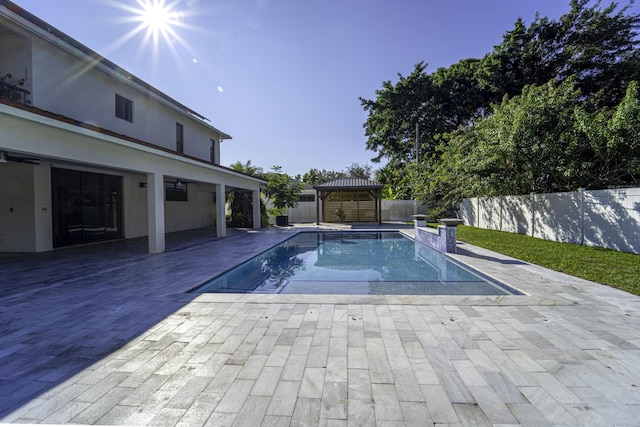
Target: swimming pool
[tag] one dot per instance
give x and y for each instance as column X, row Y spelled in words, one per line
column 378, row 263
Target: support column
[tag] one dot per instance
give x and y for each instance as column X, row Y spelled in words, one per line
column 43, row 209
column 256, row 209
column 155, row 212
column 221, row 218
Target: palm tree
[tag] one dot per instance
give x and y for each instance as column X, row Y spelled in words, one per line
column 247, row 168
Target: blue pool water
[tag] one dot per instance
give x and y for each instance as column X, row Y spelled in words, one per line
column 379, row 263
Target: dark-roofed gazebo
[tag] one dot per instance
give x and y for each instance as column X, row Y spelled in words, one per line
column 349, row 200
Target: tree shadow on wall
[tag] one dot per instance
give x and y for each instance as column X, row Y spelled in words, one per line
column 516, row 214
column 608, row 220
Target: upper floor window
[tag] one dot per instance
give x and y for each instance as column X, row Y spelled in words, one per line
column 179, row 138
column 212, row 150
column 124, row 108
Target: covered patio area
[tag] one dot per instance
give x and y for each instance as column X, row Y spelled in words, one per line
column 94, row 185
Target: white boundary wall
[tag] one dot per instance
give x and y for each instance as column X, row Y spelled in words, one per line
column 402, row 210
column 604, row 218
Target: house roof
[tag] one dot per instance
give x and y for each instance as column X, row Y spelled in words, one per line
column 349, row 184
column 96, row 58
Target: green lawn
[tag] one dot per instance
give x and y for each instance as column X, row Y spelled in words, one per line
column 618, row 269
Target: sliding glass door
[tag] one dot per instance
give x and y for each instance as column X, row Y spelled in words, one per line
column 87, row 207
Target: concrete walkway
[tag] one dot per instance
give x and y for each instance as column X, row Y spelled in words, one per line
column 106, row 334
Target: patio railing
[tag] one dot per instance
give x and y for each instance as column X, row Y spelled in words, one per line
column 14, row 93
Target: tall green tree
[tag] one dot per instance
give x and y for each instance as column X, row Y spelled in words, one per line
column 393, row 115
column 527, row 144
column 461, row 97
column 359, row 171
column 586, row 59
column 612, row 142
column 416, row 112
column 526, row 55
column 316, row 176
column 595, row 46
column 545, row 140
column 599, row 50
column 282, row 190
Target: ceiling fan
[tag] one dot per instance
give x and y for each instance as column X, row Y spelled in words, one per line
column 179, row 182
column 5, row 157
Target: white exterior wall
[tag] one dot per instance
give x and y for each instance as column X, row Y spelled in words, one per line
column 25, row 208
column 17, row 207
column 197, row 212
column 604, row 218
column 134, row 205
column 64, row 85
column 304, row 212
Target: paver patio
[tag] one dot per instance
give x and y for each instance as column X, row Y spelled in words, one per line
column 107, row 334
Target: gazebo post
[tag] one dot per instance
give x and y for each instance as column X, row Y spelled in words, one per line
column 379, row 207
column 317, row 207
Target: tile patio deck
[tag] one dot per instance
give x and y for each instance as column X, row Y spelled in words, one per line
column 106, row 334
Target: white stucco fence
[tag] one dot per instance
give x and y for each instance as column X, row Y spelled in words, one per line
column 604, row 218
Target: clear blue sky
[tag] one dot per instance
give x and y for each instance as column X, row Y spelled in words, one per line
column 283, row 77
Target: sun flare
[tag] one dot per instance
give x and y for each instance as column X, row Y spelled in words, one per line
column 156, row 16
column 157, row 27
column 156, row 20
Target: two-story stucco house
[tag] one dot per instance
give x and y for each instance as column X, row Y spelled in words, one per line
column 89, row 152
